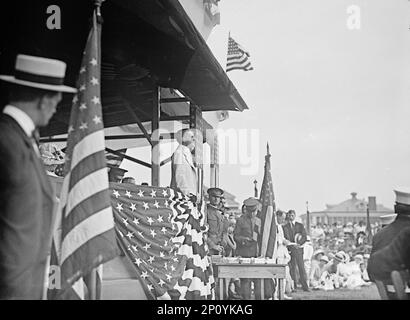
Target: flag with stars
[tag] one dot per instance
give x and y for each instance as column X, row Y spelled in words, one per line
column 85, row 236
column 162, row 233
column 238, row 57
column 268, row 229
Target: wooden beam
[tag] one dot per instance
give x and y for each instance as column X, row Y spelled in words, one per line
column 175, row 118
column 143, row 163
column 165, row 161
column 125, row 136
column 174, row 100
column 137, row 120
column 155, row 162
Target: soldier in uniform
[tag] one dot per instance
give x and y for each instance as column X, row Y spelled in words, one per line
column 246, row 237
column 215, row 220
column 386, row 235
column 395, row 256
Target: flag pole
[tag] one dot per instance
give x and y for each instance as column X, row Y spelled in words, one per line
column 307, row 218
column 255, row 182
column 93, row 275
column 368, row 225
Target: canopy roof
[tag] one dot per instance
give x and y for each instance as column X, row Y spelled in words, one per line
column 145, row 44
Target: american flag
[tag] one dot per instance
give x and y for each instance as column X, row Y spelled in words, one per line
column 238, row 57
column 267, row 216
column 85, row 237
column 162, row 233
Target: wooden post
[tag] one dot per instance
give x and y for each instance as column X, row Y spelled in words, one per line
column 92, row 285
column 196, row 122
column 214, row 161
column 155, row 161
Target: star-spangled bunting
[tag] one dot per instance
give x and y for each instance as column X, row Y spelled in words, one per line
column 86, row 238
column 164, row 242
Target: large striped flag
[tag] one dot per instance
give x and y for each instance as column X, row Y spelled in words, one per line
column 85, row 237
column 267, row 216
column 238, row 57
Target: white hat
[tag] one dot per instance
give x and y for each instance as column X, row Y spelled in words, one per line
column 403, row 197
column 387, row 218
column 41, row 73
column 324, row 258
column 359, row 257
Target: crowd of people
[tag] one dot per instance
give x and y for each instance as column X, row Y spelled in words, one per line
column 330, row 258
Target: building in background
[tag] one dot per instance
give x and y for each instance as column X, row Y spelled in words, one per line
column 351, row 210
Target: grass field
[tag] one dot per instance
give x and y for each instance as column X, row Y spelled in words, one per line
column 365, row 293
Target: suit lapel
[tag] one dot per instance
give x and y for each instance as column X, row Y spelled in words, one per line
column 188, row 158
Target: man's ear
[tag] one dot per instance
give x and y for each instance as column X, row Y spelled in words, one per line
column 43, row 101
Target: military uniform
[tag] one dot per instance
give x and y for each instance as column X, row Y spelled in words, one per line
column 246, row 235
column 244, row 230
column 385, row 237
column 215, row 221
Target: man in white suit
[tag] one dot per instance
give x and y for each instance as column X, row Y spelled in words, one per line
column 184, row 176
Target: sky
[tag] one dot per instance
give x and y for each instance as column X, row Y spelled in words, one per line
column 333, row 103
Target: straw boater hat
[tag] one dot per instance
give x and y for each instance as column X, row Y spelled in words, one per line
column 318, row 251
column 339, row 257
column 325, row 259
column 359, row 257
column 40, row 73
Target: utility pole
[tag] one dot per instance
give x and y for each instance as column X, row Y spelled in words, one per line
column 307, row 218
column 256, row 188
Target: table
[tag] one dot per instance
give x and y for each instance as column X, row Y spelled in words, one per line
column 253, row 271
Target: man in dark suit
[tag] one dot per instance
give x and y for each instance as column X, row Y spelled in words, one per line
column 26, row 195
column 386, row 235
column 295, row 233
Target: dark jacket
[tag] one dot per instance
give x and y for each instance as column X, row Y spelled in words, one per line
column 386, row 235
column 243, row 232
column 395, row 256
column 26, row 208
column 290, row 235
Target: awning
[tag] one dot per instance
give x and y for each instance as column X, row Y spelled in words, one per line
column 145, row 43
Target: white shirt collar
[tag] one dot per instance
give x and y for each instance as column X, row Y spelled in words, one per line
column 25, row 122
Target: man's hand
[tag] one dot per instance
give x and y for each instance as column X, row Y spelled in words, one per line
column 219, row 248
column 192, row 198
column 286, row 242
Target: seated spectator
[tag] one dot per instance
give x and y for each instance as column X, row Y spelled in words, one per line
column 229, row 241
column 355, row 279
column 361, row 238
column 360, row 227
column 315, row 280
column 314, row 267
column 307, row 254
column 332, row 271
column 317, row 232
